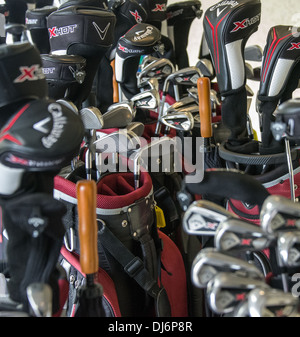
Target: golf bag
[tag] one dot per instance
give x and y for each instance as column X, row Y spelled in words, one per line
column 128, row 14
column 140, row 268
column 36, row 23
column 279, row 78
column 227, row 28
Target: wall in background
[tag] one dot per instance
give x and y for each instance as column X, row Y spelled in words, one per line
column 274, row 12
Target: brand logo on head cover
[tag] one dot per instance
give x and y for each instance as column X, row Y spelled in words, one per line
column 245, row 23
column 295, row 46
column 32, row 73
column 219, row 12
column 101, row 33
column 232, row 4
column 137, row 16
column 160, row 8
column 143, row 33
column 129, row 51
column 55, row 32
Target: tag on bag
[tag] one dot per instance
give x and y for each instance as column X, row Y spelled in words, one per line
column 160, row 217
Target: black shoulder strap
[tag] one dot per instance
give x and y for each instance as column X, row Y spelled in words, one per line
column 134, row 267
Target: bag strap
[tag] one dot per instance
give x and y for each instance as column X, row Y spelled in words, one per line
column 134, row 267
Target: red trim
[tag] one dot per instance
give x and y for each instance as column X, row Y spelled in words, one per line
column 215, row 41
column 4, row 134
column 269, row 61
column 109, row 291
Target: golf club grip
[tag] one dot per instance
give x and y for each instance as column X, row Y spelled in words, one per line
column 87, row 225
column 115, row 84
column 203, row 86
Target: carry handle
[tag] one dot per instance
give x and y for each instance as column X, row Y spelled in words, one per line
column 203, row 86
column 87, row 225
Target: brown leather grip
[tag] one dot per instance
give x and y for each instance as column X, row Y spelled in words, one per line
column 203, row 86
column 87, row 225
column 114, row 83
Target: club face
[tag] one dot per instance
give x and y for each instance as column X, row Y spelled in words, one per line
column 186, row 76
column 181, row 121
column 225, row 291
column 148, row 84
column 92, row 118
column 121, row 141
column 253, row 53
column 209, row 262
column 279, row 214
column 40, row 299
column 69, row 104
column 159, row 69
column 237, row 235
column 146, row 100
column 203, row 218
column 117, row 117
column 288, row 245
column 137, row 128
column 272, row 303
column 206, row 68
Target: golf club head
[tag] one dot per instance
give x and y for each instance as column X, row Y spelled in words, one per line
column 206, row 67
column 203, row 217
column 182, row 103
column 279, row 214
column 126, row 103
column 288, row 246
column 40, row 299
column 151, row 83
column 92, row 118
column 234, row 235
column 147, row 59
column 69, row 104
column 272, row 303
column 242, row 309
column 121, row 141
column 209, row 262
column 226, row 290
column 253, row 53
column 136, row 127
column 159, row 69
column 181, row 121
column 148, row 99
column 118, row 116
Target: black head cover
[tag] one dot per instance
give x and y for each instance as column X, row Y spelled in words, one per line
column 279, row 78
column 81, row 30
column 281, row 55
column 63, row 73
column 180, row 16
column 156, row 10
column 42, row 136
column 227, row 27
column 21, row 74
column 93, row 3
column 128, row 13
column 141, row 39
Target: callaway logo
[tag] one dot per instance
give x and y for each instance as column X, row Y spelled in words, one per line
column 136, row 15
column 232, row 4
column 220, row 11
column 197, row 222
column 295, row 46
column 58, row 123
column 130, row 51
column 101, row 33
column 32, row 73
column 39, row 126
column 55, row 32
column 143, row 33
column 245, row 23
column 160, row 8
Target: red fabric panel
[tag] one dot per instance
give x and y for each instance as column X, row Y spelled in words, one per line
column 109, row 290
column 175, row 284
